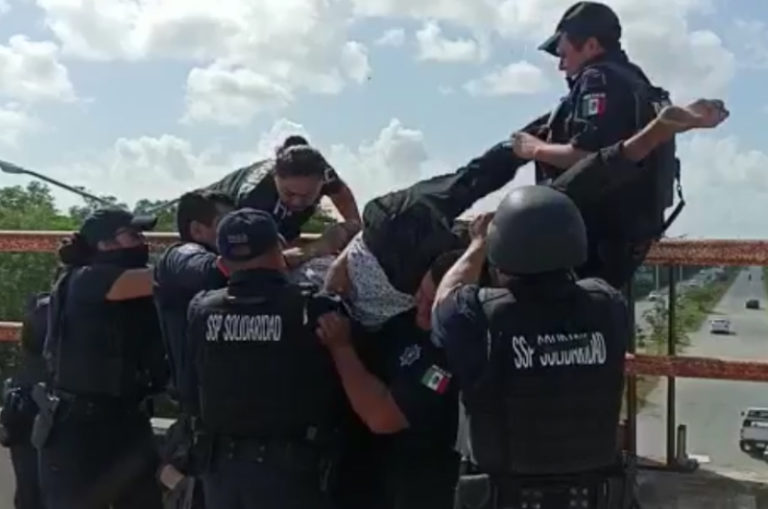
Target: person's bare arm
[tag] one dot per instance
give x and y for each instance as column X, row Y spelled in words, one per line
column 132, row 284
column 345, row 203
column 469, row 267
column 370, row 397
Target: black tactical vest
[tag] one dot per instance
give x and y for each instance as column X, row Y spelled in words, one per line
column 263, row 373
column 549, row 399
column 113, row 350
column 637, row 202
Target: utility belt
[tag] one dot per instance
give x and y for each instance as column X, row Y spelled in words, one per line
column 292, row 456
column 96, row 405
column 599, row 490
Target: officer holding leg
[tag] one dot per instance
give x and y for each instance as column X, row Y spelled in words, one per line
column 539, row 358
column 106, row 357
column 610, row 99
column 269, row 398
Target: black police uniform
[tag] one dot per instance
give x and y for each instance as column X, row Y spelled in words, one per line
column 540, row 365
column 19, row 409
column 611, row 99
column 182, row 271
column 269, row 396
column 254, row 186
column 420, row 466
column 107, row 357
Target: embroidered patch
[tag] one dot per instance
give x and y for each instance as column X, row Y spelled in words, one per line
column 410, row 355
column 593, row 105
column 436, row 379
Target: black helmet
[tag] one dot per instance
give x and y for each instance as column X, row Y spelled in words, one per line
column 536, row 229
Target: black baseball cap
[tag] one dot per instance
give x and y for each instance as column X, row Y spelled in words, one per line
column 585, row 19
column 103, row 224
column 245, row 234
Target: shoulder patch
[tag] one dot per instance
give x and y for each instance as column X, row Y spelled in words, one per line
column 436, row 379
column 593, row 78
column 593, row 105
column 410, row 355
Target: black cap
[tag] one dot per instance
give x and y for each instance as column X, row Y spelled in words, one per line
column 585, row 19
column 103, row 224
column 245, row 234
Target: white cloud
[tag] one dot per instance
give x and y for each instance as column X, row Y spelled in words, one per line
column 751, row 38
column 433, row 46
column 354, row 61
column 30, row 71
column 249, row 56
column 726, row 188
column 15, row 124
column 393, row 37
column 516, row 78
column 657, row 35
column 230, row 96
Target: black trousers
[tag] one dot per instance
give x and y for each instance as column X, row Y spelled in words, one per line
column 24, row 460
column 97, row 458
column 243, row 483
column 407, row 229
column 615, row 197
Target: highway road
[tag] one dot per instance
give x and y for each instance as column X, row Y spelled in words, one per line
column 710, row 408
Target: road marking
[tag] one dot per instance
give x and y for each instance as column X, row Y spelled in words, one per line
column 702, row 459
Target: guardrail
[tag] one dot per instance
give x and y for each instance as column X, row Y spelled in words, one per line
column 670, row 253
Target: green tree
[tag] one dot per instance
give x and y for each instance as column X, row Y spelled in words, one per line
column 23, row 274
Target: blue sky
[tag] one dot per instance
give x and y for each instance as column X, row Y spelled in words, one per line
column 141, row 98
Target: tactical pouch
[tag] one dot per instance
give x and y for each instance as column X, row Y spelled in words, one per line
column 16, row 416
column 475, row 492
column 45, row 419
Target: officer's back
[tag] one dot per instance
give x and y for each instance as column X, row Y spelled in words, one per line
column 540, row 358
column 268, row 393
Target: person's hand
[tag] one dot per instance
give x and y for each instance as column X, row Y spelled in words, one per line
column 333, row 331
column 525, row 145
column 478, row 228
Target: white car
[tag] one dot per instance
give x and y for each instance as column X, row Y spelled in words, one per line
column 654, row 296
column 754, row 430
column 720, row 326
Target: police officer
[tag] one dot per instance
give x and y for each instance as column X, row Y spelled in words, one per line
column 399, row 386
column 610, row 99
column 269, row 398
column 186, row 268
column 106, row 357
column 19, row 409
column 539, row 359
column 289, row 187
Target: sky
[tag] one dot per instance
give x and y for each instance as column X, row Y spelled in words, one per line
column 150, row 98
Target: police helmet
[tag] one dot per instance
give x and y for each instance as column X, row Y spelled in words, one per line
column 536, row 229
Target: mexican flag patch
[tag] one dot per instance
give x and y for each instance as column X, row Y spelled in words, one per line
column 593, row 105
column 436, row 379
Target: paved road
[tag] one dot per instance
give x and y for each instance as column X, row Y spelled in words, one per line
column 710, row 408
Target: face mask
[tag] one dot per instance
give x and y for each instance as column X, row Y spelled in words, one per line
column 130, row 258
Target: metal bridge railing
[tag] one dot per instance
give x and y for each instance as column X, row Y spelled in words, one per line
column 669, row 253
